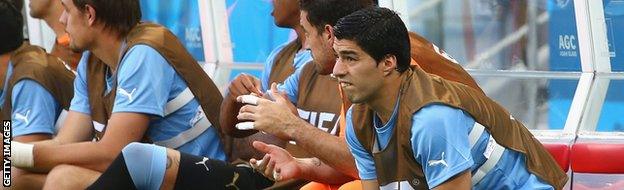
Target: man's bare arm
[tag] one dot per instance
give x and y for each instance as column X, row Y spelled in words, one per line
column 33, row 137
column 330, row 149
column 122, row 129
column 459, row 181
column 275, row 117
column 316, row 170
column 278, row 160
column 76, row 128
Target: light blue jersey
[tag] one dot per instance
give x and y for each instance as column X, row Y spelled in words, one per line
column 301, row 58
column 145, row 83
column 34, row 109
column 146, row 163
column 440, row 133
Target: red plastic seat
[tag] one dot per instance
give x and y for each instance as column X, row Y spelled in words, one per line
column 597, row 166
column 598, row 158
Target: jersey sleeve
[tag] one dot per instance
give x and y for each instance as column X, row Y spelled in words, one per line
column 291, row 85
column 363, row 160
column 268, row 66
column 80, row 101
column 440, row 142
column 34, row 109
column 144, row 80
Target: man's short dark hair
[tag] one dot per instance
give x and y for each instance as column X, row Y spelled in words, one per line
column 322, row 12
column 118, row 15
column 12, row 32
column 379, row 32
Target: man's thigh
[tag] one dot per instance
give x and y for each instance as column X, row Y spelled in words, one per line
column 70, row 177
column 22, row 179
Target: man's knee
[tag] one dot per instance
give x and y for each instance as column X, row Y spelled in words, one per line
column 146, row 164
column 16, row 173
column 22, row 179
column 70, row 177
column 135, row 147
column 61, row 174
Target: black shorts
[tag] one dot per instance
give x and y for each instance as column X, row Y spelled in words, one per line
column 195, row 172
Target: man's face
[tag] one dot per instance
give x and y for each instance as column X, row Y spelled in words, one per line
column 77, row 26
column 360, row 77
column 39, row 8
column 320, row 45
column 285, row 13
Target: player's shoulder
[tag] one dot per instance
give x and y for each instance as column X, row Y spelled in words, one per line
column 437, row 112
column 440, row 116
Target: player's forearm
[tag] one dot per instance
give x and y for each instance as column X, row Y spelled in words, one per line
column 90, row 155
column 33, row 138
column 228, row 120
column 332, row 150
column 48, row 142
column 315, row 170
column 459, row 181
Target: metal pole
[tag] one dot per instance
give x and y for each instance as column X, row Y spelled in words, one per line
column 531, row 60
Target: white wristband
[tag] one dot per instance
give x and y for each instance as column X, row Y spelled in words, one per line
column 248, row 99
column 22, row 154
column 245, row 125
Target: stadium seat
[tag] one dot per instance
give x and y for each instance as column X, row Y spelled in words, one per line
column 597, row 165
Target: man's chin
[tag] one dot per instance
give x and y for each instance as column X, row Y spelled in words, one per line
column 278, row 24
column 76, row 49
column 354, row 100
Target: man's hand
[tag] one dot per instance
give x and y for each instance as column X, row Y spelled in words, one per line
column 277, row 164
column 273, row 117
column 244, row 84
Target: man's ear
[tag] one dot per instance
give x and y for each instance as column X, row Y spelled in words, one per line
column 328, row 34
column 89, row 13
column 388, row 64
